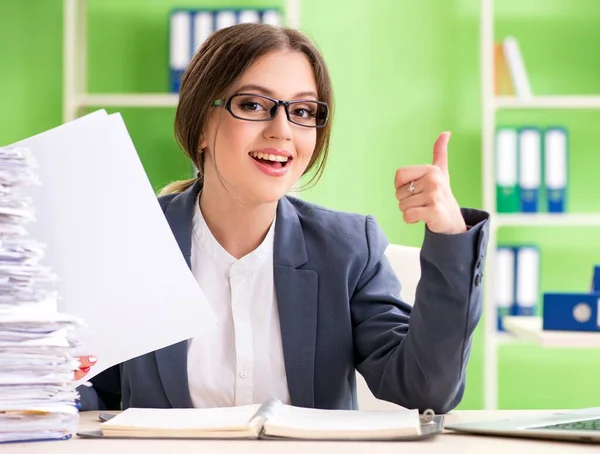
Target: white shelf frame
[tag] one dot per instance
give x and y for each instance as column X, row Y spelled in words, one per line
column 75, row 96
column 548, row 102
column 529, row 329
column 490, row 105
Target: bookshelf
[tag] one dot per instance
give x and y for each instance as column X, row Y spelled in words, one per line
column 518, row 328
column 75, row 96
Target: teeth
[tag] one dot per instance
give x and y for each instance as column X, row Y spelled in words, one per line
column 269, row 157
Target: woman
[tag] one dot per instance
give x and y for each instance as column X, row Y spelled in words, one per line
column 304, row 295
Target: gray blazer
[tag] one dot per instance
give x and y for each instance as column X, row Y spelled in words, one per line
column 339, row 312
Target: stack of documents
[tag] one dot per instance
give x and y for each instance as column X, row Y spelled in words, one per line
column 37, row 399
column 120, row 269
column 118, row 265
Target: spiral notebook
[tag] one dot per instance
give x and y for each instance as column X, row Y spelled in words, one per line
column 271, row 420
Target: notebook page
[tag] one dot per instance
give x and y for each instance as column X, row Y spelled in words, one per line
column 297, row 422
column 182, row 419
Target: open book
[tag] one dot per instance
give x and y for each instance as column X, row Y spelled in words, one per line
column 270, row 420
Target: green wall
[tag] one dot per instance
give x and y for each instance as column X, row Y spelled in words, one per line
column 403, row 71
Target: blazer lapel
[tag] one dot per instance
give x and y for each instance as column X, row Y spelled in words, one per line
column 172, row 360
column 297, row 291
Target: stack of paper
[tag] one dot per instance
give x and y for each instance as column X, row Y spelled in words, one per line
column 119, row 266
column 120, row 270
column 37, row 400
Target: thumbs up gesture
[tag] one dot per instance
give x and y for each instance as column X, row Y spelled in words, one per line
column 424, row 193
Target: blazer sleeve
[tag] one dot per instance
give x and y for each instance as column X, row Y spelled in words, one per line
column 417, row 357
column 103, row 392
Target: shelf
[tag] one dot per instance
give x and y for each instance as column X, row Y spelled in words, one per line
column 547, row 220
column 548, row 102
column 530, row 329
column 503, row 338
column 128, row 100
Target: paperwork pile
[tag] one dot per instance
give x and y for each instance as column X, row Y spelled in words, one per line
column 37, row 399
column 118, row 265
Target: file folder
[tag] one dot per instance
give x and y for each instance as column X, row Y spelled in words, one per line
column 596, row 280
column 249, row 16
column 555, row 168
column 180, row 46
column 571, row 312
column 271, row 17
column 224, row 19
column 505, row 283
column 517, row 69
column 507, row 187
column 202, row 28
column 530, row 160
column 527, row 277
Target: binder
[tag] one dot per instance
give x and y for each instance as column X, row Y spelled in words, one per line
column 202, row 28
column 271, row 17
column 507, row 187
column 502, row 82
column 505, row 283
column 596, row 280
column 571, row 312
column 248, row 16
column 180, row 46
column 517, row 69
column 555, row 168
column 527, row 280
column 225, row 18
column 530, row 160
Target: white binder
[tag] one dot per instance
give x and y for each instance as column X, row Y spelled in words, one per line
column 180, row 42
column 249, row 16
column 530, row 168
column 271, row 17
column 555, row 158
column 505, row 283
column 203, row 28
column 225, row 18
column 528, row 280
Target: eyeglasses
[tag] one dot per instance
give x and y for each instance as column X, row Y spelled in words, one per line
column 253, row 107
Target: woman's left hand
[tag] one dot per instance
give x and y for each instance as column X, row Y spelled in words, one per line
column 424, row 193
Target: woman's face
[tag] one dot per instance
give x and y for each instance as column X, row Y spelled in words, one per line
column 259, row 161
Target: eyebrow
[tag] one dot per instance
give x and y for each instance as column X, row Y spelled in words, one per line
column 266, row 91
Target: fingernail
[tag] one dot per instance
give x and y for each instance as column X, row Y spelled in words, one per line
column 85, row 370
column 92, row 359
column 448, row 133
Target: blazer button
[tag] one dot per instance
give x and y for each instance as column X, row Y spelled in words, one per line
column 477, row 279
column 478, row 265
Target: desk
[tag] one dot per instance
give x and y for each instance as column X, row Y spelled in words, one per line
column 447, row 443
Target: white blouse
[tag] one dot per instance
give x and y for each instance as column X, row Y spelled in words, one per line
column 241, row 362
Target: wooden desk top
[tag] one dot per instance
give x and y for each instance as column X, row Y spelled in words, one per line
column 447, row 443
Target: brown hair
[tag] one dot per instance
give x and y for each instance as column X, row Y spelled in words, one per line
column 219, row 63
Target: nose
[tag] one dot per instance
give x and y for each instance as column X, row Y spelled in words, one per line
column 279, row 127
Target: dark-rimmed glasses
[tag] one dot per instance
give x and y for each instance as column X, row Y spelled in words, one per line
column 253, row 107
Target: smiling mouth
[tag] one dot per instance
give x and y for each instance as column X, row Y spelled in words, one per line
column 272, row 160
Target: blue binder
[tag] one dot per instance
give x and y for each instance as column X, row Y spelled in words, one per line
column 505, row 283
column 596, row 280
column 530, row 167
column 571, row 312
column 555, row 168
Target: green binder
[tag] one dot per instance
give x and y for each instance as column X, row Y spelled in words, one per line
column 508, row 197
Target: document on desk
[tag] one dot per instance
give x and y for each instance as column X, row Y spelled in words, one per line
column 118, row 264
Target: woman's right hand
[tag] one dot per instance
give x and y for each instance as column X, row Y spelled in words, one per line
column 85, row 364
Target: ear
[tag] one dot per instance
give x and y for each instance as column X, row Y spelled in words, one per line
column 203, row 142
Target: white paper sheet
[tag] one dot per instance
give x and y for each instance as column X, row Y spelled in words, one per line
column 118, row 265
